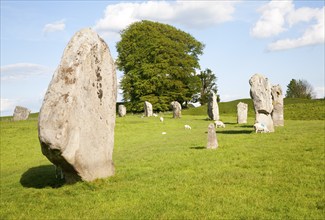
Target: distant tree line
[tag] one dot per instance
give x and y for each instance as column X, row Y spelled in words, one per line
column 300, row 89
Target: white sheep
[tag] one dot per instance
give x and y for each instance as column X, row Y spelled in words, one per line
column 187, row 127
column 161, row 119
column 219, row 124
column 154, row 115
column 260, row 127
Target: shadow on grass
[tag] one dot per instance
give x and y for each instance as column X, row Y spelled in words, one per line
column 246, row 126
column 198, row 148
column 234, row 132
column 41, row 177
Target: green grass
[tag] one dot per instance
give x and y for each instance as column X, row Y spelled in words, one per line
column 280, row 175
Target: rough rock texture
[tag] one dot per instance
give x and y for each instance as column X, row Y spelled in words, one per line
column 261, row 94
column 121, row 110
column 277, row 114
column 242, row 109
column 77, row 118
column 20, row 113
column 212, row 137
column 147, row 109
column 213, row 108
column 177, row 109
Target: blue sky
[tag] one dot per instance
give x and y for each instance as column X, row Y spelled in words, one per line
column 282, row 40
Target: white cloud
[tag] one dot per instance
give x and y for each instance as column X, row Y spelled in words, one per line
column 23, row 70
column 281, row 16
column 193, row 14
column 320, row 92
column 55, row 26
column 7, row 105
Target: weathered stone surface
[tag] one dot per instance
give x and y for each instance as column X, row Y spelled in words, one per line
column 212, row 137
column 213, row 108
column 277, row 114
column 147, row 109
column 261, row 94
column 177, row 109
column 77, row 118
column 20, row 113
column 242, row 109
column 121, row 110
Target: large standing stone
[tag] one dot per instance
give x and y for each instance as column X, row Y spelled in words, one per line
column 261, row 94
column 121, row 110
column 177, row 109
column 277, row 114
column 213, row 108
column 147, row 109
column 20, row 113
column 242, row 109
column 212, row 137
column 77, row 118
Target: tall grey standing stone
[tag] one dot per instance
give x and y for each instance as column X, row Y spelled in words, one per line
column 20, row 113
column 177, row 109
column 212, row 137
column 213, row 108
column 242, row 109
column 147, row 109
column 277, row 114
column 121, row 110
column 77, row 117
column 260, row 92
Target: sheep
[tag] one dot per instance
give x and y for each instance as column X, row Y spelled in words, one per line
column 154, row 115
column 161, row 119
column 164, row 133
column 260, row 127
column 187, row 127
column 219, row 124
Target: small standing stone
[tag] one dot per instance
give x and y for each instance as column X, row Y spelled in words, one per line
column 177, row 109
column 147, row 109
column 242, row 109
column 121, row 110
column 21, row 113
column 213, row 108
column 277, row 114
column 212, row 137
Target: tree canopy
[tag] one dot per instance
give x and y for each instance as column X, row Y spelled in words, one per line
column 208, row 84
column 159, row 64
column 299, row 89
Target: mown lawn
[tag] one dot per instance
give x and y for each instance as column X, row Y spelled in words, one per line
column 279, row 175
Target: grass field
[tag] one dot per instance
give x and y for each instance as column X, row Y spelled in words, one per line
column 279, row 175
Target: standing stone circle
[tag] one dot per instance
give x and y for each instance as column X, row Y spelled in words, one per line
column 277, row 97
column 147, row 109
column 260, row 92
column 242, row 109
column 77, row 117
column 177, row 109
column 20, row 113
column 121, row 110
column 212, row 137
column 213, row 108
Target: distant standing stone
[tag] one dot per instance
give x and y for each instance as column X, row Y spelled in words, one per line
column 77, row 118
column 177, row 109
column 121, row 110
column 261, row 94
column 21, row 113
column 212, row 137
column 277, row 114
column 242, row 109
column 147, row 109
column 213, row 108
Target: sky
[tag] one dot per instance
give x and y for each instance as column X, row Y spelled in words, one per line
column 281, row 40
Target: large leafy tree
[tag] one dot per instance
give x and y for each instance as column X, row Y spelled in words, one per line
column 159, row 63
column 299, row 89
column 208, row 84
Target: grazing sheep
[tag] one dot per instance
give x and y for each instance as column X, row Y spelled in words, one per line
column 187, row 127
column 161, row 119
column 259, row 127
column 154, row 115
column 219, row 124
column 164, row 132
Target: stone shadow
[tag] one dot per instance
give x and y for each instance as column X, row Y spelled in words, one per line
column 198, row 148
column 234, row 132
column 41, row 177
